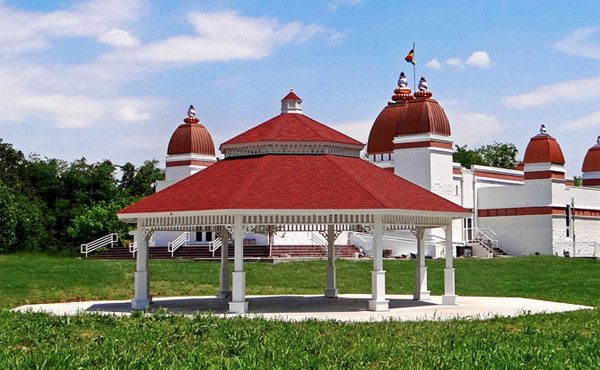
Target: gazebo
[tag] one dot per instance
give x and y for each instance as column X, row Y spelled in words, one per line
column 292, row 173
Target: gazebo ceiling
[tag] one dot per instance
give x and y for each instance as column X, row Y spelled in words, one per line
column 293, row 182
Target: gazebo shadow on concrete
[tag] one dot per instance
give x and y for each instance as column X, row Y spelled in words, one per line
column 282, row 304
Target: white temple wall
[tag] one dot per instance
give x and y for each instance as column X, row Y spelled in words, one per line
column 413, row 165
column 522, row 235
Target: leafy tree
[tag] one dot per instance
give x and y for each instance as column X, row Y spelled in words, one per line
column 99, row 220
column 8, row 220
column 141, row 184
column 577, row 181
column 502, row 155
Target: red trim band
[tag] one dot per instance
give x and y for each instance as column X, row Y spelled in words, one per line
column 424, row 144
column 500, row 176
column 189, row 163
column 534, row 211
column 544, row 175
column 591, row 182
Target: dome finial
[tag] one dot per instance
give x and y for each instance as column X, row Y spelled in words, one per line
column 191, row 111
column 543, row 130
column 402, row 81
column 423, row 84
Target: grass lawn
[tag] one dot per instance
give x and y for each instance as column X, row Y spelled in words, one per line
column 557, row 341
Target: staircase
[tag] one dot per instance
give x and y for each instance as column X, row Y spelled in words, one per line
column 250, row 251
column 484, row 237
column 341, row 251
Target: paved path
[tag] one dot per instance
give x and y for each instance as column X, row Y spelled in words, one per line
column 347, row 307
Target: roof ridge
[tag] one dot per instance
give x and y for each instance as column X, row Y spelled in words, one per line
column 354, row 178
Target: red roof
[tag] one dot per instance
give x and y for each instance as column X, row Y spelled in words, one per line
column 292, row 127
column 293, row 182
column 543, row 148
column 191, row 137
column 591, row 162
column 406, row 118
column 291, row 96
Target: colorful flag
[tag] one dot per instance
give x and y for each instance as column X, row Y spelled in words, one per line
column 410, row 57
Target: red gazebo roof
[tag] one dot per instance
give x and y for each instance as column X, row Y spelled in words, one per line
column 293, row 182
column 292, row 127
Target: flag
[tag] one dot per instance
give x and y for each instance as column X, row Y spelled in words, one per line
column 410, row 58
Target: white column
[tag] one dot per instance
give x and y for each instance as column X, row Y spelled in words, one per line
column 378, row 301
column 238, row 302
column 421, row 291
column 141, row 300
column 224, row 284
column 449, row 297
column 331, row 290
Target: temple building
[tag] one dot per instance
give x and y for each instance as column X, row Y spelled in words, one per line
column 528, row 210
column 533, row 208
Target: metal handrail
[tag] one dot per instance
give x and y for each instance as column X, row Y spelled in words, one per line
column 99, row 243
column 182, row 239
column 214, row 245
column 481, row 238
column 133, row 247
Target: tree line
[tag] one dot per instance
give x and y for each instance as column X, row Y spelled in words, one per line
column 52, row 204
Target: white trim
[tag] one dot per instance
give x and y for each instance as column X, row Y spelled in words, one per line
column 291, row 147
column 415, row 138
column 546, row 166
column 296, row 212
column 590, row 175
column 503, row 171
column 190, row 157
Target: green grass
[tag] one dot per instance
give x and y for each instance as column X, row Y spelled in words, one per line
column 40, row 341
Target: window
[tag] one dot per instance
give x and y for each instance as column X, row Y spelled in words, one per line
column 209, row 236
column 198, row 236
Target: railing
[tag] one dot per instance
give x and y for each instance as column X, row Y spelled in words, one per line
column 318, row 239
column 214, row 245
column 481, row 236
column 182, row 239
column 99, row 243
column 578, row 249
column 133, row 247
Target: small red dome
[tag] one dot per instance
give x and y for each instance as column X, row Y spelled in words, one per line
column 191, row 137
column 591, row 162
column 543, row 148
column 421, row 115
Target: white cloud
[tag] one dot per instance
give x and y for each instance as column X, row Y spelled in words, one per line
column 223, row 36
column 434, row 63
column 583, row 42
column 474, row 129
column 335, row 4
column 455, row 62
column 118, row 38
column 479, row 59
column 23, row 31
column 592, row 120
column 358, row 130
column 128, row 113
column 574, row 90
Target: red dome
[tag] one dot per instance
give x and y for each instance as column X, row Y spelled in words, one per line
column 191, row 137
column 407, row 117
column 543, row 148
column 591, row 162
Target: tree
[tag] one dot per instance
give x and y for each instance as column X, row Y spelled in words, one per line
column 502, row 155
column 8, row 220
column 99, row 220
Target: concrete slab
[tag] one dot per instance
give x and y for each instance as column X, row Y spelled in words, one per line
column 347, row 307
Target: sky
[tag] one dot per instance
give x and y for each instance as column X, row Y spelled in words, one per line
column 112, row 79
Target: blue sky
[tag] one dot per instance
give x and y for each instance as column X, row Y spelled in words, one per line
column 112, row 79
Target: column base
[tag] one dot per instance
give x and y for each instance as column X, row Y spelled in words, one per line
column 223, row 293
column 422, row 296
column 238, row 307
column 450, row 300
column 331, row 293
column 140, row 304
column 375, row 305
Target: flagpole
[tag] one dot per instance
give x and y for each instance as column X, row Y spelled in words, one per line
column 414, row 73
